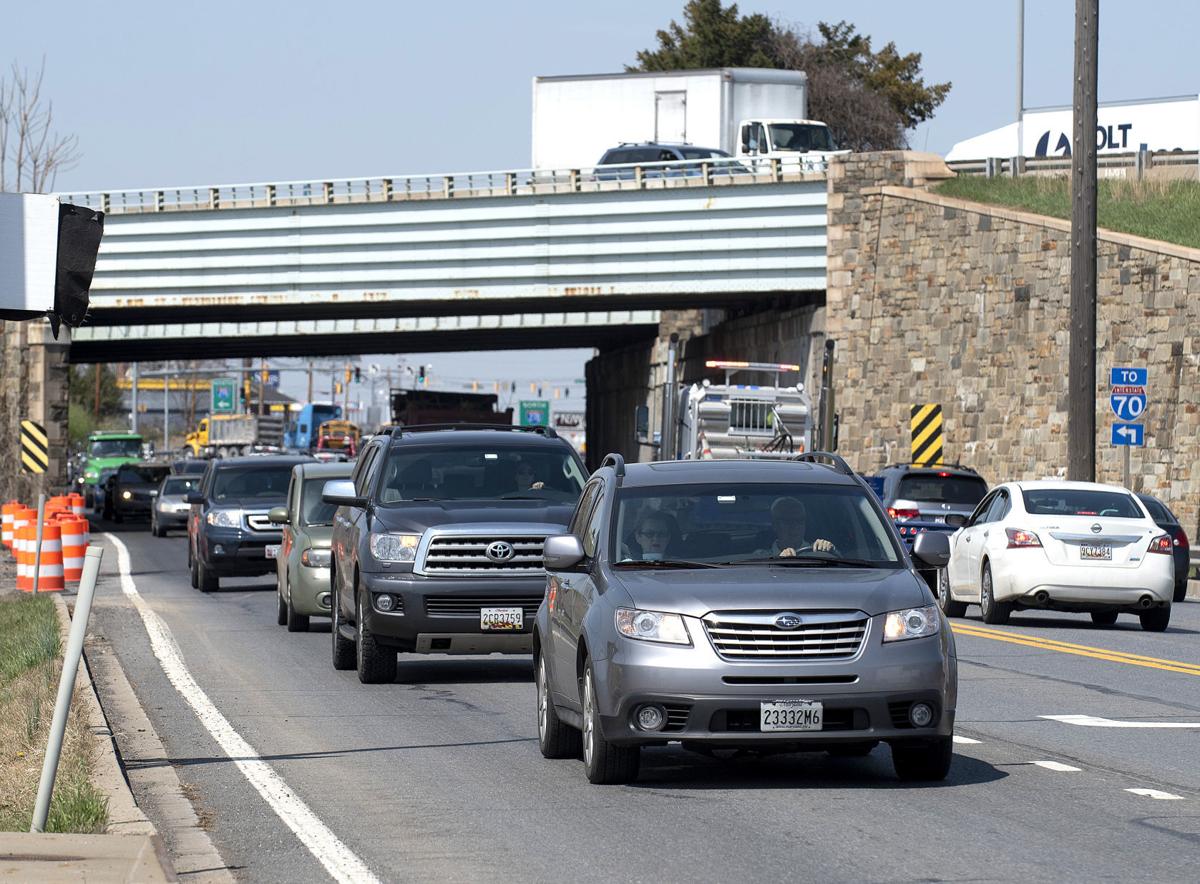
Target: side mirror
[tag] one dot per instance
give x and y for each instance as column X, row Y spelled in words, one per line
column 562, row 552
column 278, row 515
column 641, row 423
column 194, row 497
column 340, row 492
column 932, row 548
column 956, row 520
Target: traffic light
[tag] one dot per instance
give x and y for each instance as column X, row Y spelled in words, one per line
column 265, row 375
column 357, row 375
column 420, row 374
column 347, row 374
column 337, row 388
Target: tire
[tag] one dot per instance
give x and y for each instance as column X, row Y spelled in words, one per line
column 206, row 581
column 994, row 612
column 280, row 605
column 295, row 622
column 853, row 750
column 1104, row 618
column 555, row 739
column 1180, row 591
column 1156, row 619
column 949, row 606
column 605, row 764
column 923, row 763
column 343, row 648
column 376, row 663
column 195, row 571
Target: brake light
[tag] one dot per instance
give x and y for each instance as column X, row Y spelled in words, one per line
column 1163, row 543
column 900, row 510
column 1019, row 538
column 1181, row 539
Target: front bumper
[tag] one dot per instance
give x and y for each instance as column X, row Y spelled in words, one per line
column 714, row 701
column 453, row 624
column 309, row 589
column 170, row 519
column 1084, row 587
column 241, row 554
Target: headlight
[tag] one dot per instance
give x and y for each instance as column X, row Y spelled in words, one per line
column 316, row 558
column 89, row 474
column 394, row 547
column 652, row 626
column 126, row 495
column 224, row 518
column 911, row 623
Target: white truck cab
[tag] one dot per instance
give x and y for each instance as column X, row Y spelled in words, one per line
column 785, row 139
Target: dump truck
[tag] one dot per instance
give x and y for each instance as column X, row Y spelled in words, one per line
column 225, row 435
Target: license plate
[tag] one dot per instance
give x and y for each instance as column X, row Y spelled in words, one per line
column 941, row 520
column 1095, row 551
column 791, row 715
column 272, row 551
column 501, row 619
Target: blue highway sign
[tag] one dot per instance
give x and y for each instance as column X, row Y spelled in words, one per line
column 1129, row 434
column 1118, row 377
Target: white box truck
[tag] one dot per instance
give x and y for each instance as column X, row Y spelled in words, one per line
column 747, row 112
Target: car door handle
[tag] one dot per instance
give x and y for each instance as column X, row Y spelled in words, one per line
column 967, row 538
column 985, row 535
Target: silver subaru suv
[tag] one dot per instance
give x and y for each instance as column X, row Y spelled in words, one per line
column 759, row 604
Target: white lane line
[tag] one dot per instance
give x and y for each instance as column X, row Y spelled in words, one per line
column 339, row 861
column 1056, row 765
column 1096, row 721
column 965, row 741
column 1154, row 793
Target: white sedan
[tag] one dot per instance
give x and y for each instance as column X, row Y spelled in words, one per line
column 1063, row 546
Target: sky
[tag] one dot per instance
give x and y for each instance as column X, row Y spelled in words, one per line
column 170, row 94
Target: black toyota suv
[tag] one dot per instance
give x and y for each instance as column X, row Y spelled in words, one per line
column 437, row 541
column 131, row 490
column 229, row 533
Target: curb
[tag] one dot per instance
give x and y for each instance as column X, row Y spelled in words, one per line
column 124, row 815
column 1193, row 591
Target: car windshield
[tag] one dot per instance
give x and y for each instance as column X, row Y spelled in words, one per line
column 133, row 475
column 801, row 136
column 1080, row 502
column 313, row 510
column 459, row 472
column 942, row 487
column 115, row 448
column 751, row 522
column 179, row 485
column 190, row 467
column 256, row 482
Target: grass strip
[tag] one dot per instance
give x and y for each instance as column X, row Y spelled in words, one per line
column 1167, row 210
column 30, row 665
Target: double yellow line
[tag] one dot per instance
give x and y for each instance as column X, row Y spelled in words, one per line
column 1049, row 644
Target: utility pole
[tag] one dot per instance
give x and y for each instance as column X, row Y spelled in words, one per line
column 96, row 369
column 133, row 399
column 167, row 406
column 1020, row 78
column 310, row 381
column 1081, row 374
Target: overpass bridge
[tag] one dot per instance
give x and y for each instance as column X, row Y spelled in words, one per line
column 510, row 259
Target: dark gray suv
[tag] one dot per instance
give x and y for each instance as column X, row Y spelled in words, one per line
column 740, row 603
column 437, row 542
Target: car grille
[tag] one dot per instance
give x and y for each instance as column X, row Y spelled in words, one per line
column 677, row 717
column 260, row 522
column 456, row 555
column 469, row 607
column 756, row 638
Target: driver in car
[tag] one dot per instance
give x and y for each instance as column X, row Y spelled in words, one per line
column 789, row 518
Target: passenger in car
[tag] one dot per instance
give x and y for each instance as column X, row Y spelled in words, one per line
column 789, row 518
column 655, row 534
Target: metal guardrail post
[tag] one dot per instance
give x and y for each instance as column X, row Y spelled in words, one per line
column 327, row 191
column 105, row 203
column 447, row 186
column 776, row 169
column 510, row 183
column 272, row 198
column 66, row 686
column 37, row 548
column 1141, row 163
column 159, row 199
column 706, row 173
column 214, row 198
column 387, row 190
column 639, row 177
column 575, row 180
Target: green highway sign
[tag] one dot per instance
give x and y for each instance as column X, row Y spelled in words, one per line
column 224, row 396
column 535, row 413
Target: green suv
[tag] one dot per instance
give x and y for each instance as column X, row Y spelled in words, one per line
column 106, row 451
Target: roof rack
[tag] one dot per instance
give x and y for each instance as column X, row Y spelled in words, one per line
column 932, row 466
column 617, row 462
column 540, row 429
column 827, row 459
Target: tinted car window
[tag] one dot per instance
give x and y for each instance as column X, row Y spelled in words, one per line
column 1158, row 511
column 142, row 474
column 701, row 153
column 1077, row 502
column 948, row 488
column 458, row 472
column 313, row 510
column 115, row 448
column 179, row 485
column 731, row 523
column 801, row 137
column 999, row 508
column 234, row 483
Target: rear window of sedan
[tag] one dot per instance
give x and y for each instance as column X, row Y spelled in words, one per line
column 1080, row 502
column 180, row 485
column 942, row 488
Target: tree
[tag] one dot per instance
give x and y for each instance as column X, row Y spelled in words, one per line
column 83, row 389
column 869, row 99
column 32, row 153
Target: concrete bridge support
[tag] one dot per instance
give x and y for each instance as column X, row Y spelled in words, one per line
column 33, row 386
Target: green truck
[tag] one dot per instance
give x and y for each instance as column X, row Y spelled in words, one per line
column 106, row 451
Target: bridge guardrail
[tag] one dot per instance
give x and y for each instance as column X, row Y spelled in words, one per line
column 449, row 185
column 1135, row 160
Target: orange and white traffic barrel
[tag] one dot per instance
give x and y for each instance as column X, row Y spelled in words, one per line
column 77, row 504
column 6, row 525
column 74, row 547
column 22, row 516
column 50, row 566
column 22, row 546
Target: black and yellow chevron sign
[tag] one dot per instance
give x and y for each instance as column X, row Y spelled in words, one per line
column 35, row 457
column 927, row 435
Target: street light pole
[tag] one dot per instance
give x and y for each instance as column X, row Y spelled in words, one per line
column 1081, row 375
column 1020, row 78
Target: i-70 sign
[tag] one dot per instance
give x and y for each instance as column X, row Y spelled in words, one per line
column 1128, row 402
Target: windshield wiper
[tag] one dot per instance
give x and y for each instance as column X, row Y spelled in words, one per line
column 666, row 563
column 807, row 562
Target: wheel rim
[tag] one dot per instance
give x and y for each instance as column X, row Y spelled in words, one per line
column 588, row 735
column 542, row 699
column 985, row 597
column 943, row 587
